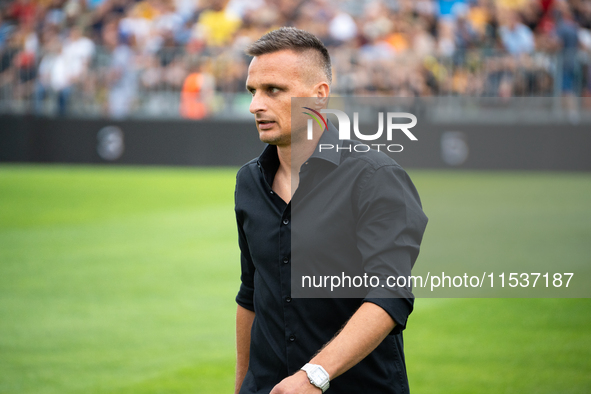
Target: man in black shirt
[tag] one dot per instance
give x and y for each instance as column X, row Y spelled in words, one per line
column 301, row 345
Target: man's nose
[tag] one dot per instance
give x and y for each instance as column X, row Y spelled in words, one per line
column 257, row 103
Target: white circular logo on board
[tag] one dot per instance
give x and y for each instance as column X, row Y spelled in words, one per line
column 454, row 148
column 110, row 143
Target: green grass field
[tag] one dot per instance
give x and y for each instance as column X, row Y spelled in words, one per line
column 122, row 280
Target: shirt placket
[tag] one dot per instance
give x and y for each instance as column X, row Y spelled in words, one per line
column 290, row 334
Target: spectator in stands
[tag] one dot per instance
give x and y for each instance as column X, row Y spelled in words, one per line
column 567, row 33
column 20, row 64
column 568, row 39
column 422, row 42
column 218, row 24
column 196, row 94
column 78, row 51
column 122, row 75
column 45, row 81
column 446, row 38
column 466, row 36
column 137, row 27
column 55, row 14
column 516, row 37
column 61, row 81
column 582, row 13
column 7, row 55
column 5, row 30
column 342, row 28
column 22, row 11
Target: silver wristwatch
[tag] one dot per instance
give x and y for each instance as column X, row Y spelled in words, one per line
column 317, row 376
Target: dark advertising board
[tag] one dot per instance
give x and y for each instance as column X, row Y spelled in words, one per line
column 232, row 143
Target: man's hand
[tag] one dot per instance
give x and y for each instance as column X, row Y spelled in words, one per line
column 297, row 383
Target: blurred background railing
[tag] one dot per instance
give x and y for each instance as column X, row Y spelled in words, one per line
column 185, row 59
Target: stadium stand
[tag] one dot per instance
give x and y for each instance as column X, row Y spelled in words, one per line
column 128, row 58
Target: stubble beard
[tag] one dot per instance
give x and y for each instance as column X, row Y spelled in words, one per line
column 276, row 137
column 278, row 140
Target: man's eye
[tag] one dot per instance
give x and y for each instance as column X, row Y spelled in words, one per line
column 252, row 92
column 274, row 90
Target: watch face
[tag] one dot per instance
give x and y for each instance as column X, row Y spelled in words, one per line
column 318, row 376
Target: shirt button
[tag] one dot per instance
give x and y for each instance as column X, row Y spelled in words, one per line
column 288, row 299
column 285, row 221
column 271, row 192
column 292, row 338
column 285, row 261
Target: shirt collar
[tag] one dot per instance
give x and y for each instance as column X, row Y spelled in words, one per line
column 329, row 136
column 269, row 161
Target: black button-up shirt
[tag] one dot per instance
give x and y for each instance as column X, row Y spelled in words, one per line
column 286, row 331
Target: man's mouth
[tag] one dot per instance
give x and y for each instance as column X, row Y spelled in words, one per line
column 265, row 124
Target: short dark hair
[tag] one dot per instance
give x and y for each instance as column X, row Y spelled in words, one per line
column 295, row 39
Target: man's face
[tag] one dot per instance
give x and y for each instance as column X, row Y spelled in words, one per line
column 273, row 79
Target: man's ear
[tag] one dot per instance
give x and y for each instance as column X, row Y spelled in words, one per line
column 322, row 92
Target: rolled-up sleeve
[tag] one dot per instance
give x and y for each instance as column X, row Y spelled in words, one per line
column 245, row 296
column 389, row 233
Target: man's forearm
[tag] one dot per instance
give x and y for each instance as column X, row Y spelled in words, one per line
column 244, row 319
column 366, row 329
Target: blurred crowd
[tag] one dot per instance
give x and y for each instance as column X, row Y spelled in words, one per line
column 125, row 57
